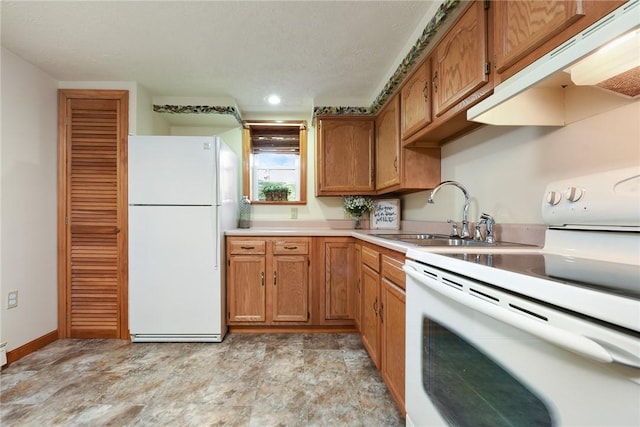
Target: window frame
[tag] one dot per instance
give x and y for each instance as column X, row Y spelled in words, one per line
column 246, row 159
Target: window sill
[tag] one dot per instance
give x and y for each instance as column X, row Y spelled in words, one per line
column 278, row 202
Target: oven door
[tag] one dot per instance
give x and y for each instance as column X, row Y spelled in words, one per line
column 465, row 367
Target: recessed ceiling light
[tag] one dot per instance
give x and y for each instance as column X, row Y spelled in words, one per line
column 273, row 99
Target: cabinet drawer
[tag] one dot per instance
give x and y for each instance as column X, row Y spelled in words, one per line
column 371, row 257
column 291, row 246
column 237, row 247
column 392, row 271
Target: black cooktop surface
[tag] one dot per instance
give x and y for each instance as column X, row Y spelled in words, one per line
column 616, row 278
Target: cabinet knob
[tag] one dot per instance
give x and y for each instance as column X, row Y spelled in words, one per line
column 435, row 82
column 262, row 278
column 425, row 91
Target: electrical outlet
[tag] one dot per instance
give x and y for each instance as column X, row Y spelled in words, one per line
column 12, row 300
column 294, row 213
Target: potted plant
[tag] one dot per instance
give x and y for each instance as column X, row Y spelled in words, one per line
column 276, row 192
column 355, row 206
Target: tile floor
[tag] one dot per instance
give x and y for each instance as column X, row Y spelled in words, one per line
column 248, row 380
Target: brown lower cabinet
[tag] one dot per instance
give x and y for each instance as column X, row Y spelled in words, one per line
column 322, row 284
column 290, row 284
column 268, row 280
column 370, row 322
column 382, row 324
column 392, row 320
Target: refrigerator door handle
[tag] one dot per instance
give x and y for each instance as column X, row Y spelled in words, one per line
column 217, row 164
column 216, row 238
column 217, row 202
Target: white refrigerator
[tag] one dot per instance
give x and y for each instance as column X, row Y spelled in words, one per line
column 182, row 197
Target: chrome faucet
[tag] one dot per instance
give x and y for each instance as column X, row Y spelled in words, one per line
column 489, row 223
column 465, row 213
column 454, row 228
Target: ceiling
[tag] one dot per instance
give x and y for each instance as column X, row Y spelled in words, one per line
column 311, row 53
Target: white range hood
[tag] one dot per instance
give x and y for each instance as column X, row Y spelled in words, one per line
column 543, row 94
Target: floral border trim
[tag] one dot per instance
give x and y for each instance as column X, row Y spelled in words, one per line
column 337, row 111
column 429, row 32
column 198, row 109
column 443, row 12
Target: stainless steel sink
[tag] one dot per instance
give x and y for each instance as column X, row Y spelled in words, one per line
column 439, row 240
column 412, row 236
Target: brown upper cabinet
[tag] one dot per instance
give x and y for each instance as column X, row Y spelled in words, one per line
column 454, row 76
column 416, row 100
column 388, row 145
column 484, row 44
column 526, row 30
column 345, row 156
column 401, row 169
column 521, row 26
column 460, row 60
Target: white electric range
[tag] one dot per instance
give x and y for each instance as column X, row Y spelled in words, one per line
column 546, row 337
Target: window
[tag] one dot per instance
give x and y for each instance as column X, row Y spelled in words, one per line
column 275, row 162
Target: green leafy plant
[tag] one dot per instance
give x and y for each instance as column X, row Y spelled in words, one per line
column 276, row 192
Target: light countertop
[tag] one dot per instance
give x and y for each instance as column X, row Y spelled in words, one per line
column 369, row 235
column 366, row 235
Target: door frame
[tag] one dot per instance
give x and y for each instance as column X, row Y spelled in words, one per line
column 64, row 267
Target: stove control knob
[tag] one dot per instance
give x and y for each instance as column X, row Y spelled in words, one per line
column 553, row 198
column 573, row 194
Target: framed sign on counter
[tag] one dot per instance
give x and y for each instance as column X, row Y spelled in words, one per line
column 385, row 214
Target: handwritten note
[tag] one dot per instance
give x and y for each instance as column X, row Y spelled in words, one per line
column 386, row 214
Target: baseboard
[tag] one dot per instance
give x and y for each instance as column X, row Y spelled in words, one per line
column 20, row 352
column 243, row 329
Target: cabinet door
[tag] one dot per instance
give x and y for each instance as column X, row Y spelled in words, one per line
column 370, row 328
column 388, row 145
column 290, row 291
column 460, row 60
column 92, row 228
column 246, row 293
column 415, row 101
column 392, row 319
column 357, row 294
column 523, row 25
column 339, row 280
column 345, row 157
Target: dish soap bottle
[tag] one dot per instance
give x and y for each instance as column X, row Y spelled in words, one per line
column 245, row 213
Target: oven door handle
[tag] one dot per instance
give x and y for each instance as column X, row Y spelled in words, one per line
column 568, row 340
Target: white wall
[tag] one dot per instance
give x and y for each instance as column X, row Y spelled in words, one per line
column 144, row 112
column 506, row 169
column 28, row 257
